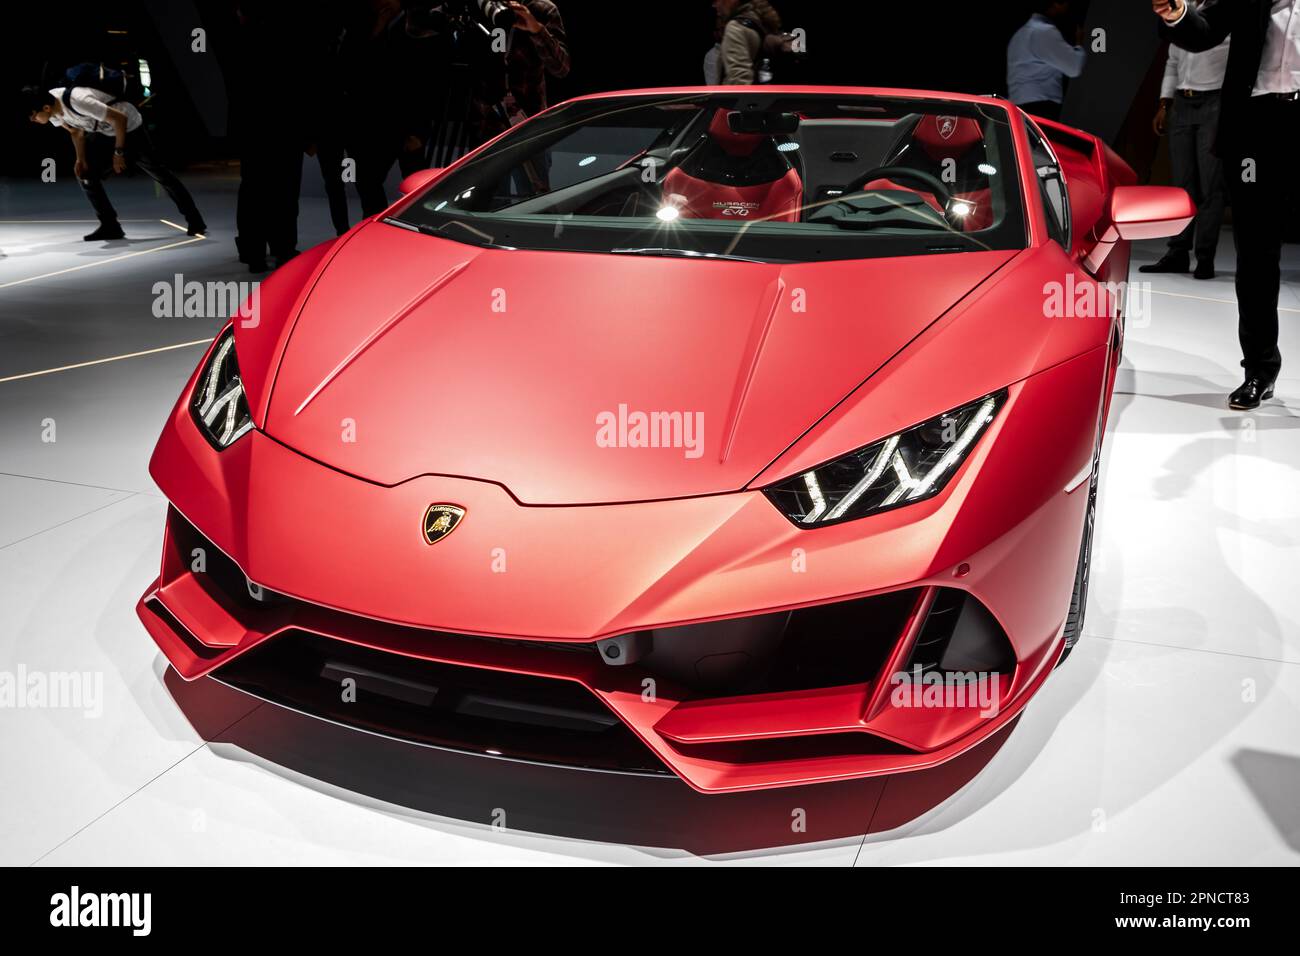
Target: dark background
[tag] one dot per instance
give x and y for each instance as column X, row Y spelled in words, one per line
column 957, row 45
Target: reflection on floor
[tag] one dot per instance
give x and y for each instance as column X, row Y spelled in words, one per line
column 1172, row 734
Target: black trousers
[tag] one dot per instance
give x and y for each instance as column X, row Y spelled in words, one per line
column 270, row 178
column 1193, row 125
column 139, row 155
column 375, row 151
column 329, row 154
column 1261, row 186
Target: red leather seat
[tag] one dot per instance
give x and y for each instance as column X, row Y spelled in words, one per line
column 741, row 176
column 946, row 142
column 947, row 137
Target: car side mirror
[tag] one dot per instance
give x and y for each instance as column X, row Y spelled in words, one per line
column 418, row 180
column 1140, row 212
column 1150, row 212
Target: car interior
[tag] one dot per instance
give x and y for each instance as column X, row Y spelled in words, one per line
column 916, row 171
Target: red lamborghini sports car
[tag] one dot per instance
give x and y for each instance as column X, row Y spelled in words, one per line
column 746, row 434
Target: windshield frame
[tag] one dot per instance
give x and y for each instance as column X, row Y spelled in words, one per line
column 752, row 241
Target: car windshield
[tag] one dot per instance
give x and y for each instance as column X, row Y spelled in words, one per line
column 775, row 177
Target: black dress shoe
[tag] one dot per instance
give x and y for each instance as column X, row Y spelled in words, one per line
column 105, row 232
column 249, row 255
column 1204, row 269
column 196, row 227
column 1252, row 392
column 1170, row 262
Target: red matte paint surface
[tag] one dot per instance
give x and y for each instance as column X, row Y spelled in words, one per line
column 497, row 412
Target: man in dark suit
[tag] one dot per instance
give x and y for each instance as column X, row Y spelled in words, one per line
column 1259, row 131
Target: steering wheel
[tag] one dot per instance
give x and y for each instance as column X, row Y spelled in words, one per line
column 932, row 183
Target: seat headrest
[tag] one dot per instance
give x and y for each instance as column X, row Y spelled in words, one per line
column 947, row 137
column 733, row 144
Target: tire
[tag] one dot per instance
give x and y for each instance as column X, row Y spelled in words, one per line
column 1079, row 599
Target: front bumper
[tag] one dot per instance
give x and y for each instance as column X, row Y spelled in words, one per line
column 515, row 585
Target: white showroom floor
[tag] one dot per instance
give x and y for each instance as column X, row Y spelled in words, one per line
column 1172, row 735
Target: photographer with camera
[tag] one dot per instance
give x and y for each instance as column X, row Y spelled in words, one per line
column 391, row 60
column 537, row 48
column 429, row 83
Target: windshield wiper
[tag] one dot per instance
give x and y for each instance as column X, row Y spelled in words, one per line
column 481, row 238
column 685, row 254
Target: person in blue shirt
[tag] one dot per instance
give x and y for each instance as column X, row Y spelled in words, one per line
column 1039, row 59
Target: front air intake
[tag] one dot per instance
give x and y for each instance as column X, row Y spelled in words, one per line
column 470, row 709
column 960, row 636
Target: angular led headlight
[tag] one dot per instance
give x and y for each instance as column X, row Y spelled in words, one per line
column 220, row 407
column 899, row 470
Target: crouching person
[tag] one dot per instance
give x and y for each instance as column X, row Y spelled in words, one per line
column 93, row 118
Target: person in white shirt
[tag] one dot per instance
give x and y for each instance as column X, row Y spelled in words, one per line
column 92, row 118
column 1258, row 139
column 1189, row 113
column 1039, row 59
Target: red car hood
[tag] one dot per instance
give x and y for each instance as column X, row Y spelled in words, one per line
column 414, row 355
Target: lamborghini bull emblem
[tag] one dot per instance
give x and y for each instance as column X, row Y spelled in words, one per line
column 947, row 126
column 440, row 521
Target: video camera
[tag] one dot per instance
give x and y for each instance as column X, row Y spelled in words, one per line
column 457, row 15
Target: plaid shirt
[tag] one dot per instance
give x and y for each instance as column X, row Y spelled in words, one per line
column 499, row 100
column 531, row 56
